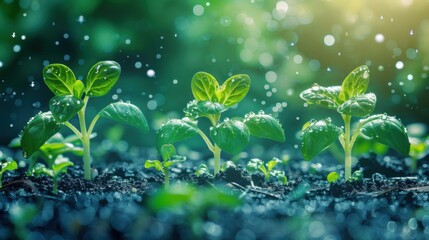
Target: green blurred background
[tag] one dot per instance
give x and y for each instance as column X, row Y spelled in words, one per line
column 285, row 46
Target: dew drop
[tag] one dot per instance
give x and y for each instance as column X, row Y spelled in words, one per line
column 138, row 65
column 17, row 48
column 329, row 40
column 150, row 73
column 399, row 65
column 198, row 10
column 379, row 38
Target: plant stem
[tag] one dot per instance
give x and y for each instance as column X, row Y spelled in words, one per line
column 85, row 142
column 167, row 178
column 216, row 153
column 348, row 145
column 55, row 190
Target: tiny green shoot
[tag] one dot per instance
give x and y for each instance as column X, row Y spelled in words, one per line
column 203, row 170
column 357, row 176
column 350, row 100
column 7, row 165
column 333, row 177
column 169, row 158
column 256, row 164
column 58, row 167
column 417, row 133
column 51, row 149
column 210, row 101
column 71, row 99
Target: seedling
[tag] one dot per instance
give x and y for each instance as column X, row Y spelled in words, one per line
column 350, row 100
column 333, row 177
column 419, row 143
column 51, row 149
column 7, row 165
column 169, row 158
column 203, row 170
column 267, row 169
column 419, row 149
column 71, row 99
column 356, row 176
column 211, row 100
column 59, row 167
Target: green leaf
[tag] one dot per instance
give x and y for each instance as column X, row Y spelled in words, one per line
column 204, row 87
column 254, row 164
column 264, row 126
column 175, row 130
column 38, row 130
column 355, row 83
column 154, row 164
column 317, row 137
column 359, row 106
column 232, row 136
column 326, row 97
column 59, row 78
column 202, row 170
column 174, row 160
column 356, row 176
column 227, row 165
column 126, row 113
column 8, row 166
column 209, row 108
column 41, row 169
column 386, row 130
column 333, row 177
column 65, row 107
column 280, row 175
column 60, row 165
column 167, row 150
column 101, row 78
column 234, row 89
column 271, row 164
column 78, row 88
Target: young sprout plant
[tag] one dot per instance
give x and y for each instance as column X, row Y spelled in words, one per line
column 51, row 149
column 267, row 169
column 169, row 158
column 211, row 100
column 58, row 167
column 350, row 100
column 71, row 99
column 6, row 165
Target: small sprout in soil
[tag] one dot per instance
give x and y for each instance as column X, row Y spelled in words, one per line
column 256, row 164
column 6, row 165
column 419, row 149
column 333, row 177
column 350, row 100
column 226, row 165
column 210, row 101
column 169, row 158
column 357, row 176
column 52, row 148
column 203, row 170
column 419, row 143
column 58, row 167
column 71, row 99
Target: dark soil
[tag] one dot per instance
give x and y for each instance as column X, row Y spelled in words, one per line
column 389, row 203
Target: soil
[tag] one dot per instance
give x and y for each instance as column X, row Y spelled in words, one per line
column 389, row 203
